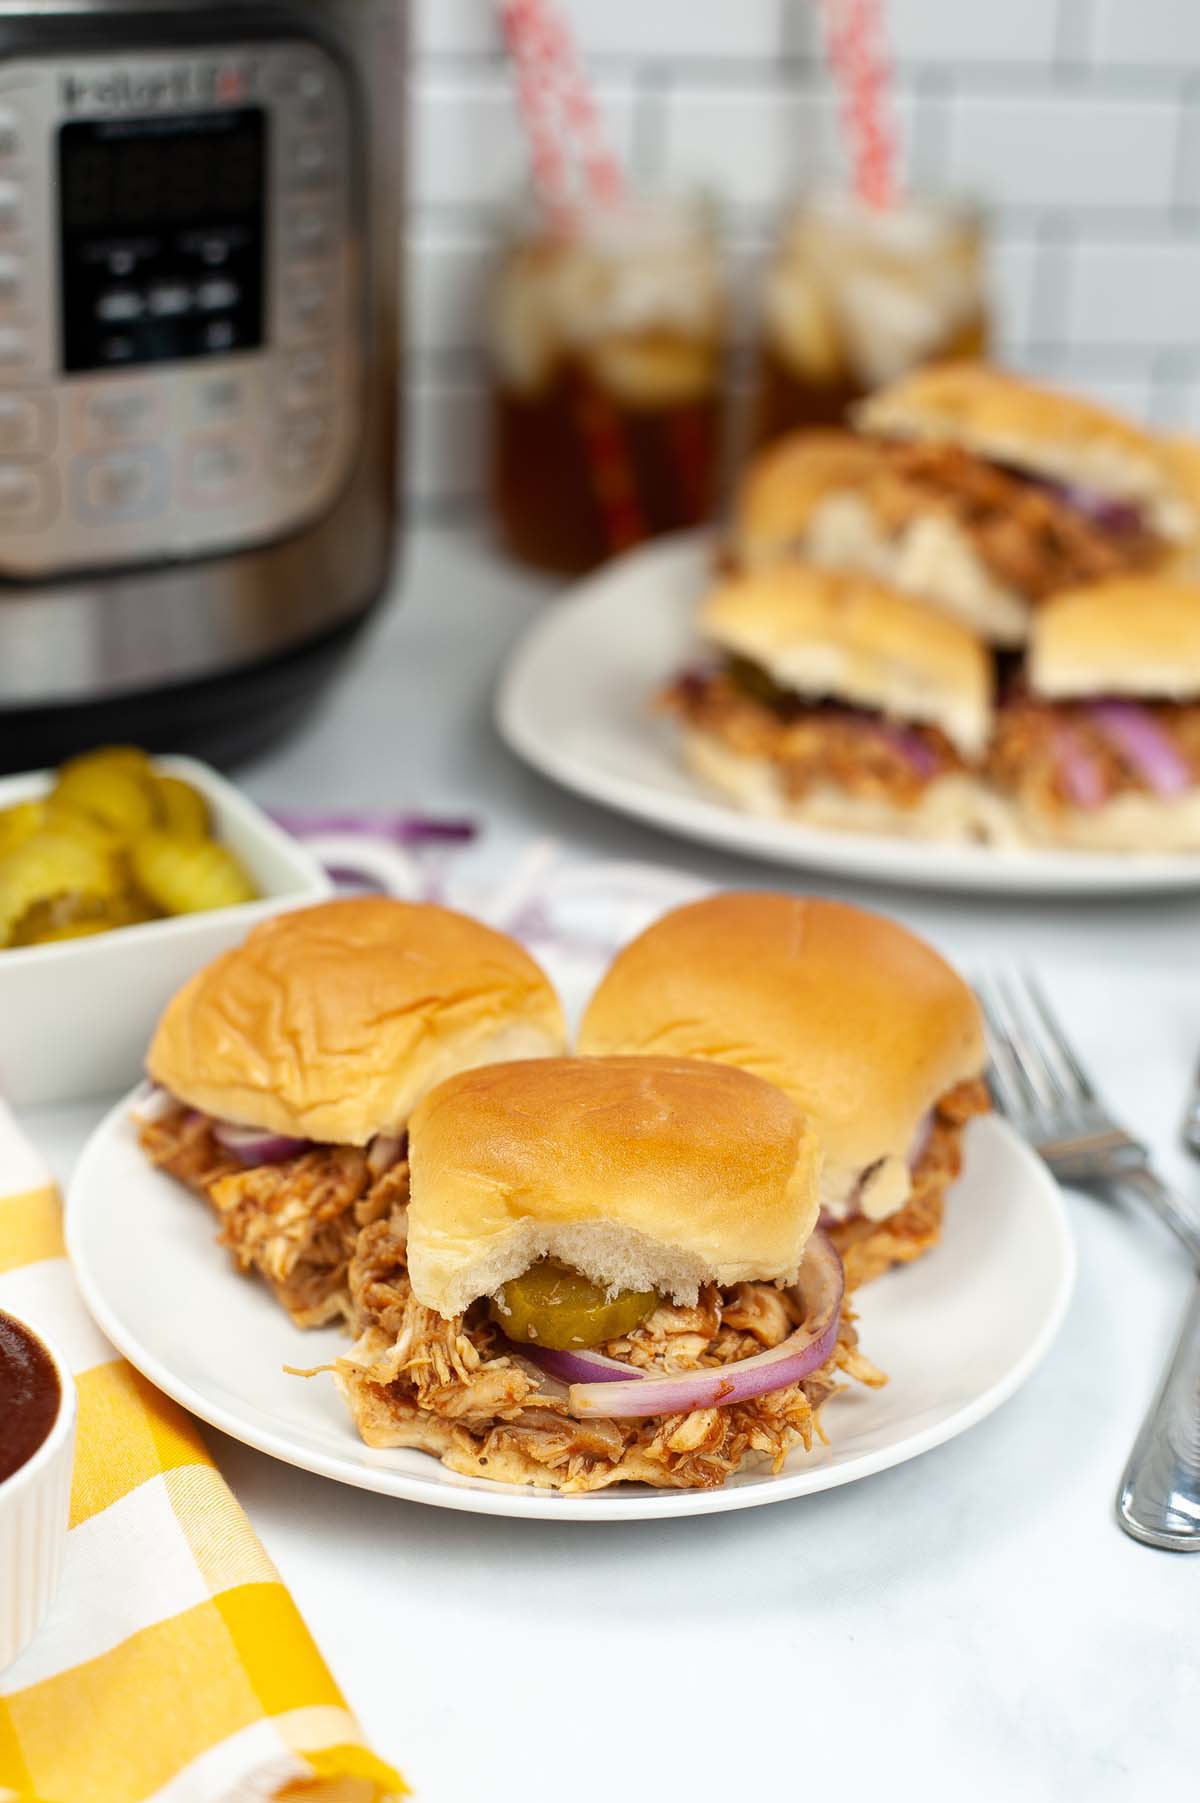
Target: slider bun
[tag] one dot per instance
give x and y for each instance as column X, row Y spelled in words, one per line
column 860, row 1022
column 817, row 495
column 329, row 1023
column 998, row 416
column 957, row 808
column 1131, row 636
column 787, row 482
column 1132, row 822
column 643, row 1173
column 823, row 633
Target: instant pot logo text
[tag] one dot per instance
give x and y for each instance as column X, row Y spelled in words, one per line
column 148, row 90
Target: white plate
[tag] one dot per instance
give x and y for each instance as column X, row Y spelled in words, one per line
column 957, row 1333
column 574, row 701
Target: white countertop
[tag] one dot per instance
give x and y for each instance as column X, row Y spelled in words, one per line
column 970, row 1624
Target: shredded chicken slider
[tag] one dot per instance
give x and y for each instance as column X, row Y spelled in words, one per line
column 872, row 1034
column 288, row 1069
column 609, row 1270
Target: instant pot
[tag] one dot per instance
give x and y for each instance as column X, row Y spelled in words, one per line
column 199, row 245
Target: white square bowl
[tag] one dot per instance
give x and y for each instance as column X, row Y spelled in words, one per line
column 76, row 1017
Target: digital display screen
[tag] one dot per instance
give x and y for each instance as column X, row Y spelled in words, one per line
column 162, row 235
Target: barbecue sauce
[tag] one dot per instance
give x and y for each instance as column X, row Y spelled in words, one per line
column 30, row 1395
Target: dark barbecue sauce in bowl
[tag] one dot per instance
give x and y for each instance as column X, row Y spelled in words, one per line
column 30, row 1395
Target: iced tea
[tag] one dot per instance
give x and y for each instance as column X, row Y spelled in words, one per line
column 608, row 339
column 854, row 297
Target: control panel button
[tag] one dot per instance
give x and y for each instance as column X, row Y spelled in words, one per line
column 12, row 280
column 14, row 347
column 219, row 398
column 301, row 447
column 27, row 496
column 306, row 380
column 120, row 304
column 114, row 413
column 217, row 469
column 26, row 423
column 116, row 486
column 309, row 304
column 10, row 208
column 309, row 230
column 217, row 293
column 169, row 299
column 310, row 163
column 10, row 134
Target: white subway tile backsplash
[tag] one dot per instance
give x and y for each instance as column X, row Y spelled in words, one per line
column 467, row 26
column 692, row 28
column 757, row 146
column 1130, row 293
column 446, row 278
column 1083, row 143
column 1063, row 150
column 956, row 31
column 1142, row 32
column 468, row 144
column 1128, row 388
column 446, row 441
column 1012, row 276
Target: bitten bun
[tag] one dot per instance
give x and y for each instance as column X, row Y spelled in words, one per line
column 786, row 484
column 822, row 633
column 643, row 1173
column 329, row 1023
column 1132, row 636
column 999, row 416
column 860, row 1022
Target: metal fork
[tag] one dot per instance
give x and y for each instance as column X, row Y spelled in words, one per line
column 1039, row 1083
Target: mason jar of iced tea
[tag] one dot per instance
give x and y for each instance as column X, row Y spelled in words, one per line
column 855, row 295
column 607, row 334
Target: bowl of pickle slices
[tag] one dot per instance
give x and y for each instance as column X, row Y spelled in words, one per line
column 119, row 875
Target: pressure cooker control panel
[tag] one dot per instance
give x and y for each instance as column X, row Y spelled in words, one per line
column 180, row 302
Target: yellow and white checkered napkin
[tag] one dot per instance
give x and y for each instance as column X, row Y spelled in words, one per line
column 174, row 1665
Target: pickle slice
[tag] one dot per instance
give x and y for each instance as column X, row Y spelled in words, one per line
column 552, row 1305
column 19, row 823
column 186, row 876
column 183, row 808
column 50, row 864
column 111, row 787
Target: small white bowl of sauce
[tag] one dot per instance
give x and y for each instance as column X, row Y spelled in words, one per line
column 37, row 1450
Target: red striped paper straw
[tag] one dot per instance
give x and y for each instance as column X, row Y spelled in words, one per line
column 855, row 40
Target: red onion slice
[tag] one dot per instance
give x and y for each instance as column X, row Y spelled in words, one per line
column 152, row 1102
column 385, row 1150
column 580, row 1366
column 254, row 1145
column 911, row 746
column 821, row 1283
column 1082, row 776
column 1135, row 733
column 398, row 829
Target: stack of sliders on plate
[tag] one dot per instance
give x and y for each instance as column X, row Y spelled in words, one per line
column 832, row 699
column 568, row 1272
column 1031, row 544
column 870, row 1032
column 978, row 492
column 284, row 1074
column 1097, row 742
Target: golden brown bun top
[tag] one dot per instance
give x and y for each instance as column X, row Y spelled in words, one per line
column 330, row 1022
column 645, row 1173
column 1000, row 416
column 1131, row 636
column 787, row 482
column 829, row 633
column 858, row 1020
